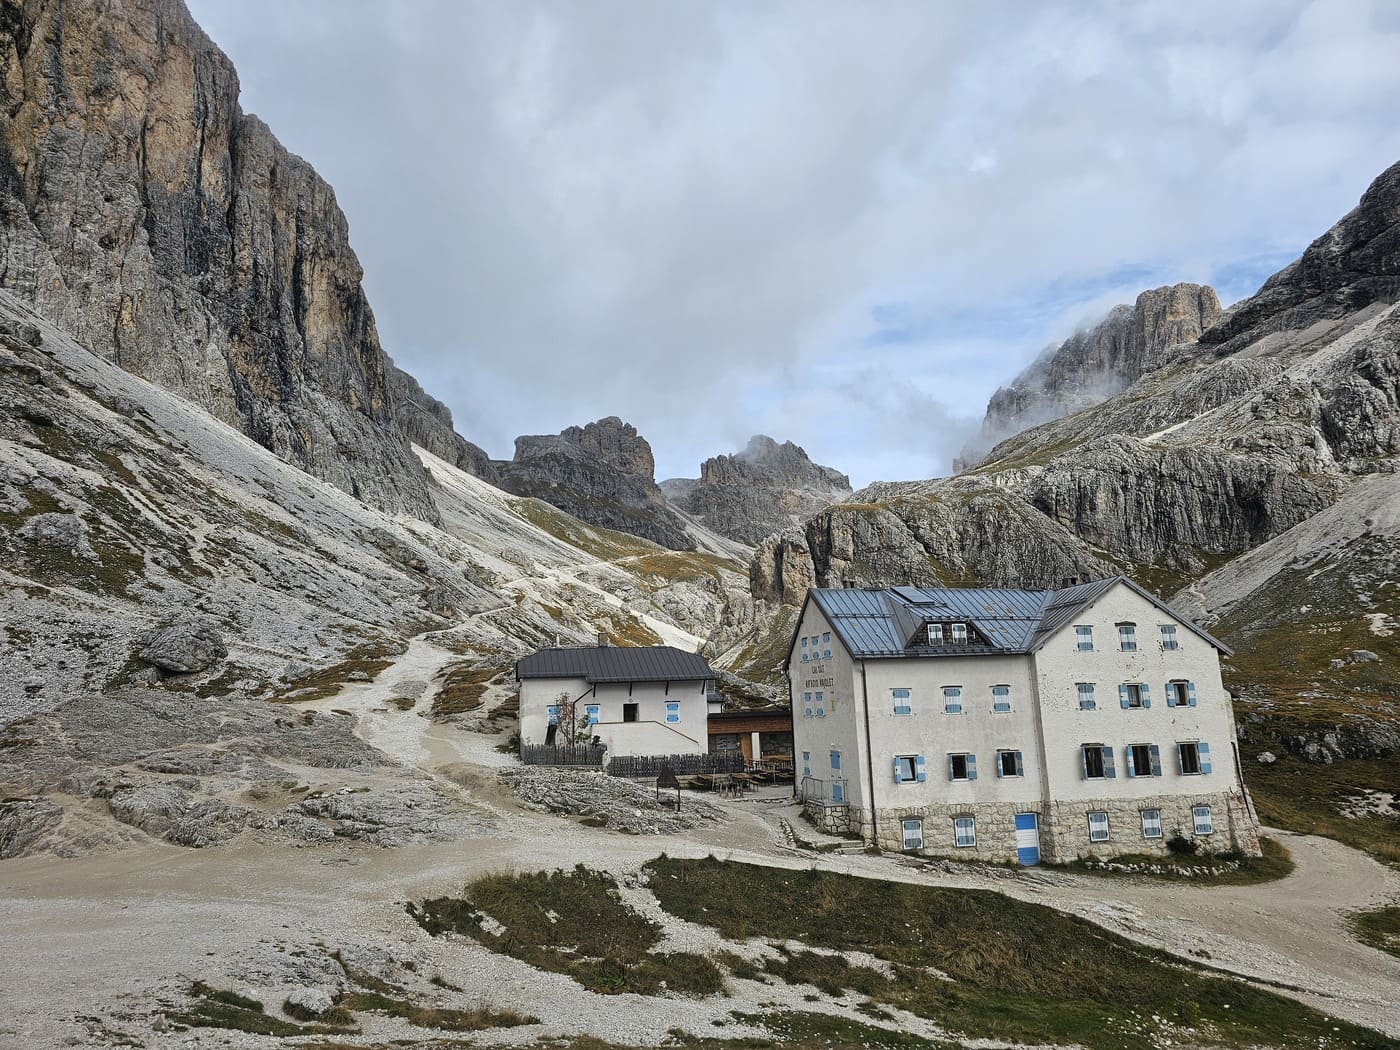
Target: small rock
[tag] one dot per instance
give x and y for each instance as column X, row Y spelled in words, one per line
column 314, row 1001
column 1362, row 656
column 1267, row 758
column 358, row 676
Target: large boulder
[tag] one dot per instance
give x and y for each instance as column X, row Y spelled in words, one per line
column 57, row 531
column 184, row 646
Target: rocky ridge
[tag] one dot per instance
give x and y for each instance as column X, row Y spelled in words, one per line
column 602, row 473
column 1097, row 362
column 762, row 489
column 427, row 423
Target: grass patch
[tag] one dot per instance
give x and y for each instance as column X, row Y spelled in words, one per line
column 1304, row 796
column 1017, row 971
column 220, row 1008
column 441, row 1018
column 831, row 974
column 371, row 659
column 463, row 688
column 1379, row 928
column 573, row 923
column 1223, row 869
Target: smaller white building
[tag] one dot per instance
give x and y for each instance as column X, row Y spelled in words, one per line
column 635, row 700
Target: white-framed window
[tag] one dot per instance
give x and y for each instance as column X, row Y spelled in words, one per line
column 1127, row 637
column 1144, row 760
column 909, row 769
column 903, row 703
column 1133, row 695
column 1168, row 637
column 1096, row 762
column 1098, row 826
column 1151, row 823
column 1086, row 696
column 1009, row 764
column 819, row 700
column 1001, row 699
column 957, row 633
column 826, row 654
column 935, row 634
column 1192, row 758
column 952, row 699
column 1084, row 638
column 913, row 833
column 826, row 638
column 806, row 705
column 804, row 654
column 673, row 712
column 1200, row 817
column 804, row 643
column 1181, row 693
column 962, row 766
column 964, row 831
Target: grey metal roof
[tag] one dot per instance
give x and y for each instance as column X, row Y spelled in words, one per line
column 876, row 623
column 616, row 663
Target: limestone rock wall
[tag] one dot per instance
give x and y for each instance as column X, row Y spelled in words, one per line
column 143, row 212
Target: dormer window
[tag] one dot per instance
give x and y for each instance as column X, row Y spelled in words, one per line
column 957, row 633
column 935, row 634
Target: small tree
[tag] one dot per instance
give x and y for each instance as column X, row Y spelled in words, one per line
column 574, row 729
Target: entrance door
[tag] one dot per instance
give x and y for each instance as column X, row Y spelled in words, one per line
column 1027, row 839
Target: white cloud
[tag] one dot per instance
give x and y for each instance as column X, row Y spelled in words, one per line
column 672, row 211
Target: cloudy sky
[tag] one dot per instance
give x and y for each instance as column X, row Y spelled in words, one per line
column 843, row 224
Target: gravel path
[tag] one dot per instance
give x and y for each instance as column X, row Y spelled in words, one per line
column 106, row 935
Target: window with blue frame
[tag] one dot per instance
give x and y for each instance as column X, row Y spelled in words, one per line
column 962, row 766
column 1133, row 695
column 1181, row 694
column 903, row 705
column 909, row 769
column 1009, row 764
column 1096, row 762
column 806, row 763
column 1086, row 696
column 806, row 705
column 1084, row 638
column 1001, row 699
column 673, row 712
column 1144, row 760
column 820, row 700
column 553, row 712
column 952, row 699
column 964, row 831
column 591, row 714
column 1193, row 758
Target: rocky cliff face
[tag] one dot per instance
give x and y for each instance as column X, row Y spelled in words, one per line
column 427, row 423
column 1097, row 362
column 1198, row 461
column 142, row 211
column 764, row 489
column 602, row 473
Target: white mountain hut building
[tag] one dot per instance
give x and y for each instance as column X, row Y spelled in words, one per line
column 636, row 700
column 1015, row 725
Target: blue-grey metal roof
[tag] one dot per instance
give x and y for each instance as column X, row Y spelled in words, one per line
column 616, row 663
column 889, row 622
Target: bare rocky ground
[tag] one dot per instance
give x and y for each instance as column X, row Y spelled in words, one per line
column 409, row 807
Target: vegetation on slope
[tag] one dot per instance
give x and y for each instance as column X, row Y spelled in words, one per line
column 987, row 966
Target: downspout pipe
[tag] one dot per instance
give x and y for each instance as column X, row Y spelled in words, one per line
column 869, row 756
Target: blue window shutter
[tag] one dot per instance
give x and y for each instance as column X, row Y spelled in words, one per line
column 1123, row 697
column 971, row 767
column 920, row 773
column 898, row 779
column 1171, row 695
column 1156, row 760
column 1108, row 763
column 1142, row 691
column 1191, row 694
column 1083, row 762
column 1132, row 766
column 950, row 767
column 996, row 764
column 1179, row 767
column 1203, row 749
column 1020, row 766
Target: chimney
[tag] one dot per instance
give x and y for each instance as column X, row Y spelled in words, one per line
column 602, row 640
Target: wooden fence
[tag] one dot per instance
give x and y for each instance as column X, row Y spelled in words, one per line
column 681, row 765
column 553, row 755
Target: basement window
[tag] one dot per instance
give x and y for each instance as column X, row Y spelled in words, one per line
column 1151, row 823
column 913, row 833
column 1200, row 816
column 964, row 831
column 1098, row 827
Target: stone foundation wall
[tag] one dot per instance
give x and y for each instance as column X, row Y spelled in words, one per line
column 1064, row 827
column 832, row 819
